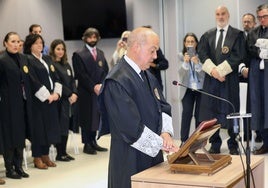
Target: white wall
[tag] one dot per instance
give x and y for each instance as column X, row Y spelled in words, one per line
column 179, row 17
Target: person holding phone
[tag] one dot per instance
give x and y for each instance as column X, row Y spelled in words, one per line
column 192, row 76
column 121, row 49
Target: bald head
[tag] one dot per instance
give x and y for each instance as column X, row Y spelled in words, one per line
column 222, row 16
column 142, row 45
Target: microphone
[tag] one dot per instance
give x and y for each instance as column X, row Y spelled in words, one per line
column 236, row 126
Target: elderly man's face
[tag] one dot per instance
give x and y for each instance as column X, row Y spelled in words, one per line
column 222, row 17
column 147, row 52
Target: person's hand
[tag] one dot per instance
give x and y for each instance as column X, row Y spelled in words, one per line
column 186, row 58
column 73, row 98
column 195, row 59
column 245, row 72
column 168, row 143
column 97, row 88
column 55, row 96
column 50, row 99
column 215, row 74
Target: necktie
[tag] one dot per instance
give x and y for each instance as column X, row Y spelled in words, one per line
column 218, row 48
column 144, row 78
column 94, row 53
column 263, row 31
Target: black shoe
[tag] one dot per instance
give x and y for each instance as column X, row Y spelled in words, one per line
column 258, row 139
column 261, row 150
column 70, row 157
column 214, row 151
column 97, row 147
column 62, row 158
column 88, row 149
column 22, row 173
column 234, row 151
column 12, row 174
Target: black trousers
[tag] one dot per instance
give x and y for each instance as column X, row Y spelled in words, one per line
column 39, row 150
column 216, row 141
column 62, row 146
column 190, row 100
column 88, row 136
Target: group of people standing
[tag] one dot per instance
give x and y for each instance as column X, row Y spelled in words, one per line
column 39, row 98
column 39, row 95
column 215, row 64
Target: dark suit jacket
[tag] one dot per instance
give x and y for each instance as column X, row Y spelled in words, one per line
column 88, row 72
column 229, row 89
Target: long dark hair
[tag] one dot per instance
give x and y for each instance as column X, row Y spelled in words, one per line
column 29, row 41
column 53, row 45
column 184, row 40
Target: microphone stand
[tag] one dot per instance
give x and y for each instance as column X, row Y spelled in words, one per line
column 235, row 116
column 242, row 116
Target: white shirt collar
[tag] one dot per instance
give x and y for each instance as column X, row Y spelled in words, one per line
column 90, row 48
column 225, row 28
column 132, row 64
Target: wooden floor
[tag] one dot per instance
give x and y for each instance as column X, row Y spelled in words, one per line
column 87, row 171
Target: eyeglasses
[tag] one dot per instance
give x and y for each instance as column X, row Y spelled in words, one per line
column 262, row 17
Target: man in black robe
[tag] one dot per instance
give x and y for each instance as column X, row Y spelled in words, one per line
column 90, row 68
column 220, row 62
column 257, row 48
column 135, row 112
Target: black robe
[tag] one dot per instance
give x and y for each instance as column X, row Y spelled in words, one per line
column 229, row 89
column 255, row 87
column 16, row 87
column 67, row 112
column 126, row 107
column 88, row 72
column 46, row 129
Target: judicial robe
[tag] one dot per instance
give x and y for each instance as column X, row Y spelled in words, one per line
column 254, row 82
column 46, row 129
column 67, row 112
column 233, row 52
column 16, row 88
column 88, row 72
column 126, row 107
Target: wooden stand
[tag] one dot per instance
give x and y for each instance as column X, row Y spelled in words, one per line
column 187, row 160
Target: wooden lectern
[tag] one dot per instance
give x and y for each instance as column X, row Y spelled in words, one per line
column 188, row 160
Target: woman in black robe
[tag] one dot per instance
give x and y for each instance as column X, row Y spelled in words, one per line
column 15, row 105
column 46, row 129
column 67, row 103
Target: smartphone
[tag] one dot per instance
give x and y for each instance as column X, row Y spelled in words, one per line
column 191, row 51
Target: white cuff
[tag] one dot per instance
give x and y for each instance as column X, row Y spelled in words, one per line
column 42, row 94
column 149, row 143
column 262, row 43
column 224, row 68
column 167, row 124
column 264, row 53
column 208, row 66
column 241, row 67
column 58, row 88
